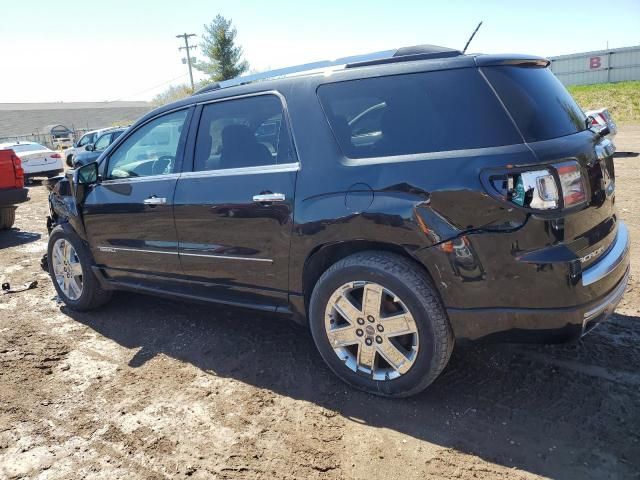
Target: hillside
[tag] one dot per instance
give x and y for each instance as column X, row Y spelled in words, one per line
column 622, row 99
column 29, row 118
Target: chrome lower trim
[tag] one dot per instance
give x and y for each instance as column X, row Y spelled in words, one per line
column 226, row 257
column 608, row 305
column 166, row 252
column 610, row 260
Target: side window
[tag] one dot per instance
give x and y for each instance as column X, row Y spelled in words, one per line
column 85, row 140
column 247, row 132
column 416, row 113
column 150, row 150
column 103, row 142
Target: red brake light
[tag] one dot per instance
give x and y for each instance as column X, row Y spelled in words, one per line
column 19, row 172
column 56, row 155
column 571, row 183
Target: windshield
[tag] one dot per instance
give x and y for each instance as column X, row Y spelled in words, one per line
column 28, row 147
column 540, row 105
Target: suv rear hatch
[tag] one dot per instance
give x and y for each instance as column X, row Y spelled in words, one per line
column 555, row 129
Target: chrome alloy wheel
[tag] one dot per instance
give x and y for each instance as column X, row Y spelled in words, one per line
column 67, row 269
column 371, row 330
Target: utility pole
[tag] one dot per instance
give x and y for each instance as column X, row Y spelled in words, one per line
column 188, row 48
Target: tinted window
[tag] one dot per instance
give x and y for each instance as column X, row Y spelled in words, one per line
column 28, row 147
column 151, row 150
column 103, row 142
column 416, row 113
column 85, row 140
column 540, row 105
column 247, row 132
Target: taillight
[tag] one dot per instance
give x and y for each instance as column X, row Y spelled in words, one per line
column 557, row 186
column 55, row 155
column 572, row 185
column 603, row 118
column 19, row 172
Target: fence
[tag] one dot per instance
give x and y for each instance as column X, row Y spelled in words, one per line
column 601, row 66
column 47, row 139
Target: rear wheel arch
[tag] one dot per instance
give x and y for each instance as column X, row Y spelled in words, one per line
column 323, row 256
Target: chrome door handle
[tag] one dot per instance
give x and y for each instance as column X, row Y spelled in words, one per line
column 269, row 197
column 155, row 200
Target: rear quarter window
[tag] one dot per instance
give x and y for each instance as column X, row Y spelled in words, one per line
column 416, row 113
column 538, row 102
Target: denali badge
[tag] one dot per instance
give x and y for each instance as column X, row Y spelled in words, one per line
column 591, row 255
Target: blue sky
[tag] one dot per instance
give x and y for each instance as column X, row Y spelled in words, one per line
column 71, row 50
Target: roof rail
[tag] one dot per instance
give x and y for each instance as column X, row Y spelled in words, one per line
column 419, row 52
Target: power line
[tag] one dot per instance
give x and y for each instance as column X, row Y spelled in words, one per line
column 152, row 88
column 188, row 50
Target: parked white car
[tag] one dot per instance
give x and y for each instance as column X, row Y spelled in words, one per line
column 602, row 118
column 79, row 146
column 37, row 160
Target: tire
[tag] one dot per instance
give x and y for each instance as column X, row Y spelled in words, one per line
column 91, row 294
column 7, row 217
column 404, row 288
column 70, row 161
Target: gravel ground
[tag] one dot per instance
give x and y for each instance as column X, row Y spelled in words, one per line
column 150, row 388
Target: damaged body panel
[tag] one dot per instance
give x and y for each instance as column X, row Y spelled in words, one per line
column 443, row 161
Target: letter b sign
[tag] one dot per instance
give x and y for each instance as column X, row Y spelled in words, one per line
column 595, row 63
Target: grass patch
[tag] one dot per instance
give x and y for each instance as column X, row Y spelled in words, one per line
column 622, row 99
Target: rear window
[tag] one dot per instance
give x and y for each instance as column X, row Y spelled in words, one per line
column 28, row 147
column 416, row 113
column 540, row 105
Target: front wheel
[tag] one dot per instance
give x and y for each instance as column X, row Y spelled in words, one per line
column 70, row 270
column 378, row 323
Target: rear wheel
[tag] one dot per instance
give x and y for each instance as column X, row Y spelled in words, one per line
column 378, row 323
column 7, row 217
column 70, row 270
column 70, row 160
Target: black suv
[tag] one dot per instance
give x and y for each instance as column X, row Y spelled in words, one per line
column 395, row 204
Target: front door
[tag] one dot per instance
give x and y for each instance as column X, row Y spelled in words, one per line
column 234, row 211
column 128, row 216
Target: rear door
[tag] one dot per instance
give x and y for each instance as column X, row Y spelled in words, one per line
column 234, row 211
column 128, row 216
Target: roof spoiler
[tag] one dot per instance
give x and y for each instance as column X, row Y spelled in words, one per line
column 514, row 60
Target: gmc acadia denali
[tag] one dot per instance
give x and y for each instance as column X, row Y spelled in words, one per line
column 394, row 203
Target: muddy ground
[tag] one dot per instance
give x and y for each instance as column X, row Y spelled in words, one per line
column 150, row 388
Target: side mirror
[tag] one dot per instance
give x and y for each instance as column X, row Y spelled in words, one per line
column 75, row 144
column 86, row 174
column 90, row 147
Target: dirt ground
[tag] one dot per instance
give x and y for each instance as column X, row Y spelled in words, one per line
column 148, row 389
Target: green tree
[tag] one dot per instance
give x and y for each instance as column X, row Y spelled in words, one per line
column 218, row 45
column 171, row 94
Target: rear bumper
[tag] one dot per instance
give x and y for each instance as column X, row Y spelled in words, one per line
column 44, row 173
column 553, row 324
column 13, row 196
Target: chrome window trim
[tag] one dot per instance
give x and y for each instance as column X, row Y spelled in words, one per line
column 108, row 249
column 113, row 146
column 285, row 113
column 225, row 172
column 162, row 176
